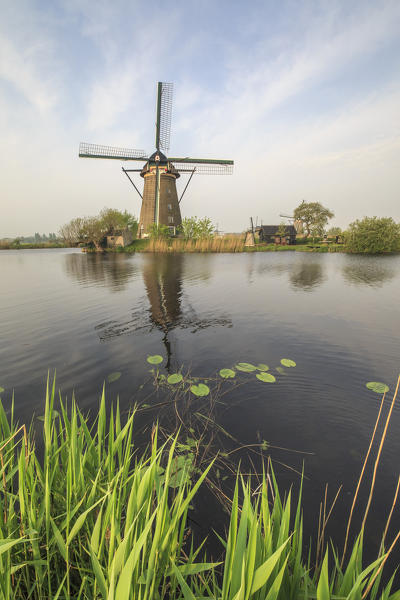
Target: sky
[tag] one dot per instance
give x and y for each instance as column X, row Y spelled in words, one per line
column 304, row 96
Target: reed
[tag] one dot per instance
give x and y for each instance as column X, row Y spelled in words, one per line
column 233, row 243
column 90, row 518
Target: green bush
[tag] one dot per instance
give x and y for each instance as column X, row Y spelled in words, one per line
column 373, row 235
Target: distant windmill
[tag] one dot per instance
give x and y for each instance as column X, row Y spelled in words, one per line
column 160, row 204
column 298, row 223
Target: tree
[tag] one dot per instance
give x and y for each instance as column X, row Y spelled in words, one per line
column 281, row 231
column 333, row 231
column 373, row 235
column 71, row 232
column 115, row 220
column 194, row 228
column 314, row 217
column 93, row 231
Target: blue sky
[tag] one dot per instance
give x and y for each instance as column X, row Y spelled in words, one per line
column 304, row 96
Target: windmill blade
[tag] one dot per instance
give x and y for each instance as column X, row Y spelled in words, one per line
column 164, row 112
column 203, row 166
column 98, row 151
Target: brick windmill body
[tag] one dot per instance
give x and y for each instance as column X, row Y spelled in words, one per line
column 160, row 202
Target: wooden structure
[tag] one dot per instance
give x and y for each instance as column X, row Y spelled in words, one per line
column 160, row 203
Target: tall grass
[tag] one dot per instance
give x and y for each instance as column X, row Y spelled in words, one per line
column 92, row 519
column 232, row 243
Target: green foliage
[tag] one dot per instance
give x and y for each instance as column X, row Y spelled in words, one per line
column 194, row 228
column 373, row 235
column 314, row 217
column 281, row 231
column 159, row 232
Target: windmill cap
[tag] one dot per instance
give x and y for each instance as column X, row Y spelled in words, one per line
column 158, row 156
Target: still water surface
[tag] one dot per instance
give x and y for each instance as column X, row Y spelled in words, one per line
column 337, row 316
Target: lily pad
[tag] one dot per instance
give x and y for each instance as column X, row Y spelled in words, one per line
column 246, row 367
column 227, row 373
column 286, row 362
column 377, row 386
column 1, row 390
column 175, row 378
column 155, row 359
column 200, row 390
column 113, row 376
column 281, row 370
column 262, row 367
column 266, row 377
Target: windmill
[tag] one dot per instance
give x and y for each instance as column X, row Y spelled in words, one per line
column 160, row 203
column 298, row 223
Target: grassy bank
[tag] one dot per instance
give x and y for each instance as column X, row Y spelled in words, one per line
column 93, row 518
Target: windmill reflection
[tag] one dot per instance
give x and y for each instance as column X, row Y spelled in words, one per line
column 163, row 277
column 163, row 281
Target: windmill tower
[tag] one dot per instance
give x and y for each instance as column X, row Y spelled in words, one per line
column 160, row 203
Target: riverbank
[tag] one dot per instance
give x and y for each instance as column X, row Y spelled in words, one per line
column 94, row 518
column 228, row 244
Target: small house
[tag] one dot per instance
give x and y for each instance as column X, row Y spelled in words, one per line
column 272, row 234
column 122, row 238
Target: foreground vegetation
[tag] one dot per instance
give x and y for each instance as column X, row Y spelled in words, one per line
column 91, row 518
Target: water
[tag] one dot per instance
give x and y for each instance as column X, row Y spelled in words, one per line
column 337, row 316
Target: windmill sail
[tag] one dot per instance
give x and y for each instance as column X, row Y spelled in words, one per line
column 164, row 113
column 203, row 166
column 99, row 151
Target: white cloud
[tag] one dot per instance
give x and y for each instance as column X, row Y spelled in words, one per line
column 21, row 67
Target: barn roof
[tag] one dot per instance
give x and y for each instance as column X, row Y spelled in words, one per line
column 272, row 229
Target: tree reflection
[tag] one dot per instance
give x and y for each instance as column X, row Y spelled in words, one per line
column 306, row 276
column 112, row 270
column 367, row 271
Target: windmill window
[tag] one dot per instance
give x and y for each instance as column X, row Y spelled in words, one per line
column 169, row 206
column 170, row 219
